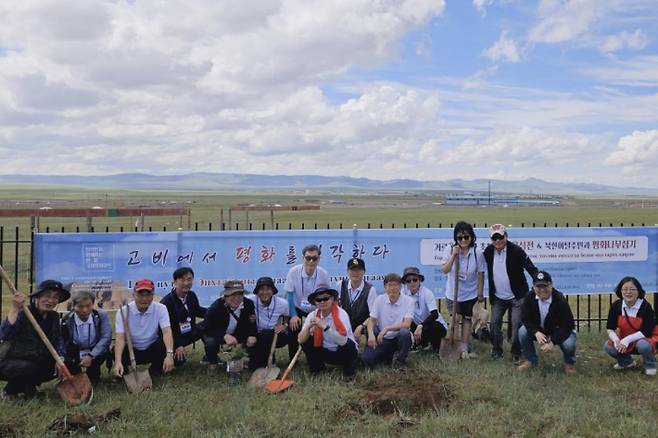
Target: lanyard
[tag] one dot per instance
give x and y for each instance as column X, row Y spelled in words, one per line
column 468, row 260
column 88, row 324
column 315, row 279
column 356, row 297
column 268, row 313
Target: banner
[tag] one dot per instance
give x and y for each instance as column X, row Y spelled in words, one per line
column 581, row 260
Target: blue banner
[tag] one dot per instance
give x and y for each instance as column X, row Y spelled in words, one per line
column 581, row 260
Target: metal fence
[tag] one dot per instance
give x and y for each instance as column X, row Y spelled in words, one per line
column 16, row 249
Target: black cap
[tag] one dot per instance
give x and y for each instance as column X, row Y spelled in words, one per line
column 542, row 279
column 265, row 281
column 55, row 285
column 322, row 289
column 356, row 263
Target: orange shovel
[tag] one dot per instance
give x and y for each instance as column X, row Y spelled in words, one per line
column 280, row 385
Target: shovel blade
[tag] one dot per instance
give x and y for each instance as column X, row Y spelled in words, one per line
column 138, row 382
column 278, row 385
column 262, row 376
column 450, row 350
column 76, row 390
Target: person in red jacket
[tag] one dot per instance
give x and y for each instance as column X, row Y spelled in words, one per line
column 631, row 323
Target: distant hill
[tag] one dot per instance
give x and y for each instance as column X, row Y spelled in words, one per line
column 239, row 182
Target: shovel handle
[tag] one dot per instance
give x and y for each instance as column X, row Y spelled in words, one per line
column 292, row 364
column 453, row 318
column 273, row 347
column 26, row 310
column 129, row 339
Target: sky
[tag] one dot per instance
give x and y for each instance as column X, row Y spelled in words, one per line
column 422, row 89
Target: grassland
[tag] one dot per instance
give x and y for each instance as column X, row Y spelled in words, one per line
column 470, row 398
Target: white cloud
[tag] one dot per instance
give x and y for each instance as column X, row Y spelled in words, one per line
column 637, row 151
column 481, row 6
column 564, row 20
column 504, row 49
column 641, row 71
column 521, row 147
column 637, row 40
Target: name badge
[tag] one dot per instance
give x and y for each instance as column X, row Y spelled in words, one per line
column 185, row 327
column 306, row 305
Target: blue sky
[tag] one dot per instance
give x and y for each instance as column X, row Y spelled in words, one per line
column 426, row 89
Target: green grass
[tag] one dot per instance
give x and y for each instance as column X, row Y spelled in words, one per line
column 484, row 398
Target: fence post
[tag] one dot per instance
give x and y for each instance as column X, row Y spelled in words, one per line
column 88, row 223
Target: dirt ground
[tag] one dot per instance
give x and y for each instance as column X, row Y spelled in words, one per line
column 413, row 392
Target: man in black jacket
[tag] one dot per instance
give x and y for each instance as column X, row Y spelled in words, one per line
column 507, row 287
column 230, row 320
column 547, row 319
column 183, row 308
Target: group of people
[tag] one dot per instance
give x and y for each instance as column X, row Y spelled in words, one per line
column 326, row 321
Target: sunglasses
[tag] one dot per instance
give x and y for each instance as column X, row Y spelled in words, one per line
column 496, row 237
column 464, row 237
column 323, row 299
column 412, row 280
column 311, row 258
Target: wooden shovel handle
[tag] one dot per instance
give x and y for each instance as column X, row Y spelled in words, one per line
column 128, row 336
column 453, row 318
column 26, row 309
column 273, row 347
column 292, row 364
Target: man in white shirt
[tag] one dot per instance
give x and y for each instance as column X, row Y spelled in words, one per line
column 428, row 326
column 326, row 336
column 301, row 281
column 389, row 338
column 146, row 320
column 271, row 317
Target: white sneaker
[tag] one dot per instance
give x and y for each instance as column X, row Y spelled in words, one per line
column 624, row 367
column 650, row 372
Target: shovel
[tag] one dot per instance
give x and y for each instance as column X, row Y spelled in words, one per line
column 450, row 347
column 74, row 390
column 263, row 375
column 275, row 386
column 136, row 381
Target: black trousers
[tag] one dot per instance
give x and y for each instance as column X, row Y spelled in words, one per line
column 186, row 339
column 344, row 356
column 212, row 344
column 432, row 333
column 293, row 345
column 23, row 376
column 261, row 351
column 154, row 354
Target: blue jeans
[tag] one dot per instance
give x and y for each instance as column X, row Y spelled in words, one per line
column 568, row 347
column 642, row 347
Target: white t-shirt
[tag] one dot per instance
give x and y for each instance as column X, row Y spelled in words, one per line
column 387, row 313
column 303, row 285
column 470, row 265
column 344, row 318
column 144, row 326
column 500, row 277
column 267, row 316
column 423, row 302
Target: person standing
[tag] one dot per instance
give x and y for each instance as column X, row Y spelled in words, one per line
column 508, row 287
column 470, row 276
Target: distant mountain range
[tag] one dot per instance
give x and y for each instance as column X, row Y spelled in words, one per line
column 251, row 182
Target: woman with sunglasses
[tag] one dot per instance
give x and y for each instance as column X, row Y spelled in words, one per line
column 469, row 275
column 631, row 324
